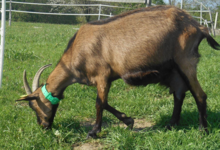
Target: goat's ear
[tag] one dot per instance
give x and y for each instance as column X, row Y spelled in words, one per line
column 28, row 97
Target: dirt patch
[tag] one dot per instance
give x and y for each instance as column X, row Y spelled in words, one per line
column 139, row 124
column 217, row 31
column 89, row 146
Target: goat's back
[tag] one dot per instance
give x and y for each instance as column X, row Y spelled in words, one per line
column 136, row 40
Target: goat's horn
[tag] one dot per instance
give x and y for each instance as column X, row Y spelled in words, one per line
column 35, row 84
column 26, row 85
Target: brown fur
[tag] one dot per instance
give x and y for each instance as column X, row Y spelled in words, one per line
column 148, row 45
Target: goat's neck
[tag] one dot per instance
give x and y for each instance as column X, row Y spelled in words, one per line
column 58, row 80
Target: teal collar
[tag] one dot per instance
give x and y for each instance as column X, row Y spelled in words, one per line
column 48, row 95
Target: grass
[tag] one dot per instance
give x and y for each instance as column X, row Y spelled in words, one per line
column 32, row 45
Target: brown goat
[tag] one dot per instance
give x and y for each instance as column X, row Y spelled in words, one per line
column 149, row 45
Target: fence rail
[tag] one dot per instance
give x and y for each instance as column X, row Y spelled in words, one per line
column 66, row 5
column 66, row 14
column 122, row 1
column 203, row 9
column 50, row 4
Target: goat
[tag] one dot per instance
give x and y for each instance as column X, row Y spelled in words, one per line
column 148, row 45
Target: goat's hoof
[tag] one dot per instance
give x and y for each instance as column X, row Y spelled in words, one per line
column 207, row 131
column 129, row 122
column 131, row 125
column 169, row 127
column 91, row 134
column 202, row 129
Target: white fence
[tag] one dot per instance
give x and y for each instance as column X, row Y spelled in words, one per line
column 99, row 14
column 202, row 9
column 199, row 14
column 2, row 40
column 122, row 1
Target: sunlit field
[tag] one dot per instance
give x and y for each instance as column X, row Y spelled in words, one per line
column 32, row 45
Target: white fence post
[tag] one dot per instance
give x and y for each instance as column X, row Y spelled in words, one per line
column 9, row 14
column 212, row 23
column 200, row 13
column 181, row 6
column 216, row 18
column 148, row 3
column 2, row 40
column 100, row 7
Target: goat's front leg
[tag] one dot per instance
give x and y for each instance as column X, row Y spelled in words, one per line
column 101, row 102
column 121, row 116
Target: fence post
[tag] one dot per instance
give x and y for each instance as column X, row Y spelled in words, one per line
column 110, row 15
column 200, row 13
column 10, row 13
column 206, row 23
column 210, row 14
column 181, row 6
column 216, row 18
column 100, row 7
column 2, row 40
column 148, row 3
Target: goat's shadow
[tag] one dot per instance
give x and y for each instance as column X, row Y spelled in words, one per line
column 188, row 121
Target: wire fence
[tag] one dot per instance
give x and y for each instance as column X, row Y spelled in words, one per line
column 122, row 1
column 99, row 6
column 198, row 10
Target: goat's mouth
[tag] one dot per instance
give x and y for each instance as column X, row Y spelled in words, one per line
column 45, row 125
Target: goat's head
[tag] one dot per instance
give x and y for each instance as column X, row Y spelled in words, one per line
column 43, row 108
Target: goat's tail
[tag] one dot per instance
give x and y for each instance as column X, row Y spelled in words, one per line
column 210, row 40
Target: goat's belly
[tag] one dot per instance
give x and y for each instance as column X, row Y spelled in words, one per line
column 144, row 77
column 161, row 73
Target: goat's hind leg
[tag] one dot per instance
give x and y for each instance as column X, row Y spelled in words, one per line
column 188, row 69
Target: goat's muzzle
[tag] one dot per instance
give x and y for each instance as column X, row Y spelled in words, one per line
column 45, row 125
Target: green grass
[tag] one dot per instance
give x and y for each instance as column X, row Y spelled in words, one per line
column 31, row 45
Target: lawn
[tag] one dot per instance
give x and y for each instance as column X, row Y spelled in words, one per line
column 32, row 45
